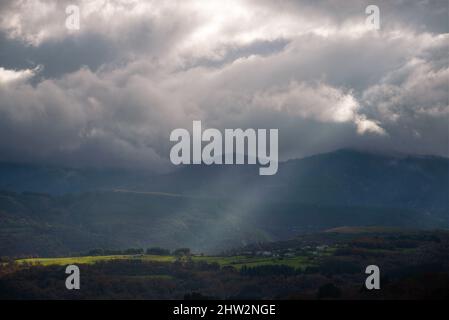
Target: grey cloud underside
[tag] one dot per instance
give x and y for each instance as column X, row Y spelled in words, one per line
column 57, row 58
column 110, row 94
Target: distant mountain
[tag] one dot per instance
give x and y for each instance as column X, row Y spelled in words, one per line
column 344, row 177
column 212, row 208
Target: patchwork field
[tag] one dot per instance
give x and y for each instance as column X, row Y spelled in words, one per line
column 325, row 265
column 297, row 262
column 92, row 259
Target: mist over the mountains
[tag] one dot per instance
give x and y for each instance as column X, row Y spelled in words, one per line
column 56, row 211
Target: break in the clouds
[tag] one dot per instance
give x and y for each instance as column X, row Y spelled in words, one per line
column 111, row 92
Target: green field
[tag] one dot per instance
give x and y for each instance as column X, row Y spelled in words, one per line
column 237, row 262
column 298, row 262
column 93, row 259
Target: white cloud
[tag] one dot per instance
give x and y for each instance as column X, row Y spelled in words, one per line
column 15, row 76
column 319, row 102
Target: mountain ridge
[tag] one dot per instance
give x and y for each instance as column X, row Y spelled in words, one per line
column 216, row 207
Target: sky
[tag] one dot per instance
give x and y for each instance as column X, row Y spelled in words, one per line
column 110, row 93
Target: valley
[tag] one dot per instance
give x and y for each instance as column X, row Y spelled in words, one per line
column 326, row 265
column 213, row 209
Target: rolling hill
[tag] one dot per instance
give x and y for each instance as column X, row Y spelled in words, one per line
column 214, row 208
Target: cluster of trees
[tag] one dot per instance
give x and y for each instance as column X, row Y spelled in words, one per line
column 418, row 273
column 267, row 270
column 139, row 279
column 135, row 251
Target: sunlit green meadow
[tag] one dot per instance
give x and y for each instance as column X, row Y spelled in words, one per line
column 237, row 262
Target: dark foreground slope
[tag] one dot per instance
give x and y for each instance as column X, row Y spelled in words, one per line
column 330, row 265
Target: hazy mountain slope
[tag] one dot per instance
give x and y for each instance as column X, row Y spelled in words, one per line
column 216, row 207
column 38, row 224
column 344, row 177
column 52, row 225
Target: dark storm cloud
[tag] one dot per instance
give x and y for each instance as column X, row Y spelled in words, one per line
column 57, row 57
column 110, row 93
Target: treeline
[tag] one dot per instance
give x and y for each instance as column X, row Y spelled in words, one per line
column 136, row 251
column 276, row 270
column 267, row 270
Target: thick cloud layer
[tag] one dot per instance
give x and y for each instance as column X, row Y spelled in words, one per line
column 109, row 93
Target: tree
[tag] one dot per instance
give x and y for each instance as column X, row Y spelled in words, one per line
column 158, row 251
column 134, row 251
column 182, row 252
